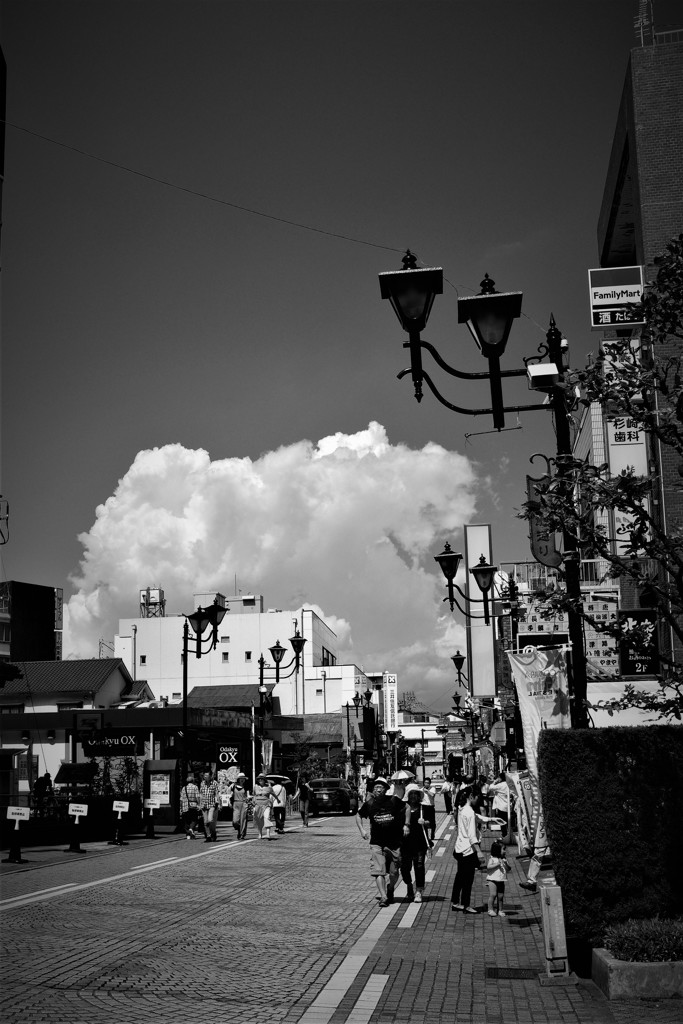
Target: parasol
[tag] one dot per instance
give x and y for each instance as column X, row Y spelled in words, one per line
column 402, row 775
column 284, row 779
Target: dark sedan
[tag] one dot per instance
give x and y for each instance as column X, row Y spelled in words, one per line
column 332, row 795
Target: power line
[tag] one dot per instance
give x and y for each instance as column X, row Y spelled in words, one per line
column 200, row 195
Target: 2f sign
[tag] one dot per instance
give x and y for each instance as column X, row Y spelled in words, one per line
column 227, row 756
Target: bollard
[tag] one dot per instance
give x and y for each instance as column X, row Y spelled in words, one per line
column 14, row 856
column 118, row 839
column 149, row 832
column 75, row 839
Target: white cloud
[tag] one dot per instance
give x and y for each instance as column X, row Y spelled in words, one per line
column 348, row 525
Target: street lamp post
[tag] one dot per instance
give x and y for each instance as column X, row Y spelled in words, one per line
column 392, row 735
column 442, row 731
column 489, row 316
column 199, row 620
column 278, row 652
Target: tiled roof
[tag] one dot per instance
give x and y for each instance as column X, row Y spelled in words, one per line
column 241, row 695
column 72, row 677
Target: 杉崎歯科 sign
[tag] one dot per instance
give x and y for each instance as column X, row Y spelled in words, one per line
column 613, row 290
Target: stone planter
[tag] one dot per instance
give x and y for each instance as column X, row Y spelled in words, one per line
column 621, row 979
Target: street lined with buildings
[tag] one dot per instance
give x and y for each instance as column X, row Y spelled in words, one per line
column 283, row 931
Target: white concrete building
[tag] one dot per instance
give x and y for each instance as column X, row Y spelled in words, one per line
column 151, row 648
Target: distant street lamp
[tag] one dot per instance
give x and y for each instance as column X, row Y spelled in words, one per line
column 199, row 620
column 278, row 652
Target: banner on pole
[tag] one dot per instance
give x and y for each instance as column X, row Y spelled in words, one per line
column 267, row 754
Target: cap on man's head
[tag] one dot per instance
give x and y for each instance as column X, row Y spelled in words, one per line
column 381, row 781
column 241, row 775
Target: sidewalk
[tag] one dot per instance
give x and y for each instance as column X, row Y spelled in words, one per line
column 431, row 965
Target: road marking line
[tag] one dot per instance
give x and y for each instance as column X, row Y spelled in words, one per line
column 53, row 888
column 440, row 853
column 155, row 864
column 368, row 999
column 408, row 918
column 430, row 876
column 326, row 1002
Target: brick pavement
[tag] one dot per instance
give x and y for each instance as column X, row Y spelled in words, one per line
column 286, row 932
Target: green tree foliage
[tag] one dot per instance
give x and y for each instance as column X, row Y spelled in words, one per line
column 640, row 381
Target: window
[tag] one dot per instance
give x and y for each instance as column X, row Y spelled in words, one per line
column 328, row 658
column 247, row 655
column 225, row 639
column 143, row 659
column 318, row 693
column 5, row 632
column 74, row 705
column 176, row 696
column 12, row 709
column 226, row 656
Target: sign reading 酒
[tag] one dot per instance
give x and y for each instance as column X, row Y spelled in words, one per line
column 613, row 290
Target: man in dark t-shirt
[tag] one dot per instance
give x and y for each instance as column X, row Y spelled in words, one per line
column 386, row 815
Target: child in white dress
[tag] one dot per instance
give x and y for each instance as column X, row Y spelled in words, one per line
column 498, row 868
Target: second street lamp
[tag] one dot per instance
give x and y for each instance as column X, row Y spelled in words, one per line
column 198, row 620
column 278, row 652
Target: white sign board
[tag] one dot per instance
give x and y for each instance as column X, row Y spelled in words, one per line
column 612, row 290
column 18, row 813
column 78, row 810
column 151, row 805
column 390, row 690
column 121, row 805
column 160, row 787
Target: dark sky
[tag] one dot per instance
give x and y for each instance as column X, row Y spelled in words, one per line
column 136, row 315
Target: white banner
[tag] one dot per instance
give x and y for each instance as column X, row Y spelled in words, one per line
column 267, row 754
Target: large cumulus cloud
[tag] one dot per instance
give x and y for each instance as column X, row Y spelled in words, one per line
column 348, row 525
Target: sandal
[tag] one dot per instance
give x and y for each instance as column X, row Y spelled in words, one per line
column 470, row 910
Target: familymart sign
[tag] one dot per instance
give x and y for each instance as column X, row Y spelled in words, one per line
column 613, row 290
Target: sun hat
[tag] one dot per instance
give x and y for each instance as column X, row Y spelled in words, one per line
column 241, row 775
column 382, row 780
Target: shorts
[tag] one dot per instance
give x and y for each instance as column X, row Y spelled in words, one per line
column 381, row 859
column 500, row 886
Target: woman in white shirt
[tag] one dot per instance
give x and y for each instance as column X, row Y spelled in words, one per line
column 467, row 851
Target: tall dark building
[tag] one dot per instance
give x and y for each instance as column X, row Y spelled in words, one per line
column 642, row 209
column 30, row 622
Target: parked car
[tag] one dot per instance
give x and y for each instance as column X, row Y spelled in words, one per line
column 332, row 795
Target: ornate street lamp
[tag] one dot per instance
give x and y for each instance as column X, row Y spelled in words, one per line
column 198, row 620
column 278, row 652
column 489, row 317
column 483, row 573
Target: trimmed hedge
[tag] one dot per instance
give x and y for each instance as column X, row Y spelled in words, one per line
column 613, row 806
column 645, row 942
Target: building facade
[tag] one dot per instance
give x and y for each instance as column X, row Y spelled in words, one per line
column 30, row 622
column 151, row 647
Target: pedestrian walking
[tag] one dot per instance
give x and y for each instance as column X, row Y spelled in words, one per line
column 263, row 802
column 209, row 801
column 279, row 808
column 189, row 806
column 414, row 846
column 499, row 792
column 386, row 815
column 467, row 850
column 447, row 794
column 304, row 793
column 498, row 868
column 240, row 805
column 428, row 808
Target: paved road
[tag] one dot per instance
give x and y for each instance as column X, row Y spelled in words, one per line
column 285, row 931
